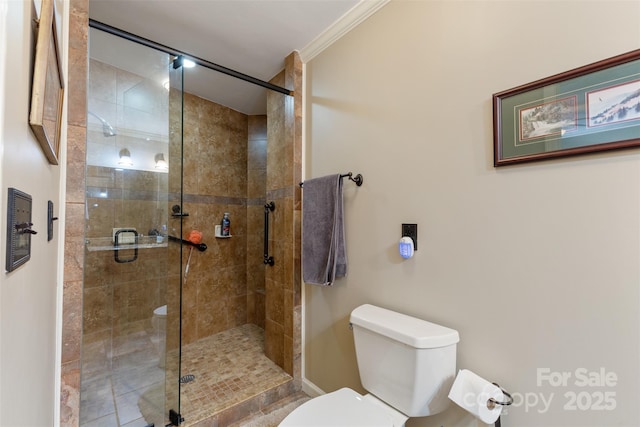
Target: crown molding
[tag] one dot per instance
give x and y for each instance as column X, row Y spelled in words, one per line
column 347, row 22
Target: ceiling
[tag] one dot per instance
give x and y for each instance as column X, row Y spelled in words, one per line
column 249, row 36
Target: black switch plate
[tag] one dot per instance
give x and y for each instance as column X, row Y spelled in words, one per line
column 411, row 230
column 50, row 219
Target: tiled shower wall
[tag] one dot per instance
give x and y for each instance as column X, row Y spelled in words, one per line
column 215, row 291
column 256, row 193
column 224, row 159
column 74, row 213
column 119, row 298
column 284, row 172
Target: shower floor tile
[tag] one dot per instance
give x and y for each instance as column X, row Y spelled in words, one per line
column 229, row 368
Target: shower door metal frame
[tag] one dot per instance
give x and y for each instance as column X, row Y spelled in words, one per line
column 177, row 53
column 175, row 416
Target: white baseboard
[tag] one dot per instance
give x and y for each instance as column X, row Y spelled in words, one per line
column 311, row 389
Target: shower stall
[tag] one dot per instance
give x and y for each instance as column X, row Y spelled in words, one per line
column 182, row 326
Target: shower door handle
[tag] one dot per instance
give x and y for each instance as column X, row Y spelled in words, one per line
column 269, row 207
column 116, row 244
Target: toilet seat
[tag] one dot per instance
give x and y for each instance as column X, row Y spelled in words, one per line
column 341, row 408
column 161, row 311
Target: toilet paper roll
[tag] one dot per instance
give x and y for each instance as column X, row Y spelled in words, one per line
column 471, row 392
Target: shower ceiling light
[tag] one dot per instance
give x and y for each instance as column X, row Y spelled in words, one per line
column 161, row 163
column 125, row 158
column 181, row 61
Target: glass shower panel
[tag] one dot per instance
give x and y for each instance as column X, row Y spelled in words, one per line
column 232, row 343
column 131, row 292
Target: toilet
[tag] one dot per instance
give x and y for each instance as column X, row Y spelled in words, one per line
column 406, row 364
column 159, row 322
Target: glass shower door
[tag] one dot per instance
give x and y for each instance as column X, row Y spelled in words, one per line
column 131, row 293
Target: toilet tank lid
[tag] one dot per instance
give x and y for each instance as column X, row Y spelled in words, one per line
column 409, row 330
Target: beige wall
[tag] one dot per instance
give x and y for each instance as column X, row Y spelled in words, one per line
column 536, row 265
column 28, row 310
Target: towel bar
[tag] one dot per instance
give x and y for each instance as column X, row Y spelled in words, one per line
column 358, row 179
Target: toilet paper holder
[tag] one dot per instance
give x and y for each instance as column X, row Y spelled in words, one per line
column 479, row 397
column 491, row 403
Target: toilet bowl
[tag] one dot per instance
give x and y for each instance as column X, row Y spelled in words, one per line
column 344, row 407
column 411, row 379
column 159, row 322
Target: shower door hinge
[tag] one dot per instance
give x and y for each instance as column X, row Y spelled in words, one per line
column 175, row 418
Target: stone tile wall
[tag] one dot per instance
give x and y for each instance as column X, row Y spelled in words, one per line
column 119, row 298
column 256, row 198
column 284, row 159
column 74, row 213
column 214, row 295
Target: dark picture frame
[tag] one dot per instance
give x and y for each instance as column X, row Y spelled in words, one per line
column 47, row 89
column 18, row 229
column 588, row 109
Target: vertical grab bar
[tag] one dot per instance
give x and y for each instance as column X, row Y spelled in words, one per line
column 269, row 207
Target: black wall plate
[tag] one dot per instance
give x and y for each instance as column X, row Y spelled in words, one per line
column 18, row 229
column 50, row 219
column 411, row 230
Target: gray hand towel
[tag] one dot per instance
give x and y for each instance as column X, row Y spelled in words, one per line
column 324, row 257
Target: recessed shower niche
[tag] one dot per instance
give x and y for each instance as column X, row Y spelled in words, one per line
column 177, row 327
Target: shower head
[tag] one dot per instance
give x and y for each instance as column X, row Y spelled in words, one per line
column 107, row 129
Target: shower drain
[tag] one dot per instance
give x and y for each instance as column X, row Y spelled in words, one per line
column 187, row 378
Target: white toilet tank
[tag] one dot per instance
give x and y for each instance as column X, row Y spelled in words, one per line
column 406, row 362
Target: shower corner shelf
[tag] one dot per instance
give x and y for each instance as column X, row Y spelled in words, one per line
column 106, row 244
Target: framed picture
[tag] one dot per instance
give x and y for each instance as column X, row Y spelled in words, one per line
column 47, row 86
column 588, row 109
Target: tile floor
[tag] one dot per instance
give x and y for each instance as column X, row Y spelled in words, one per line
column 123, row 386
column 229, row 368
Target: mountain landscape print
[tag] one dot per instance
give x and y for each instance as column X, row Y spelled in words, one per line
column 614, row 104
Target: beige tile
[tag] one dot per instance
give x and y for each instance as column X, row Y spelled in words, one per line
column 257, row 127
column 72, row 319
column 274, row 302
column 274, row 342
column 70, row 394
column 231, row 373
column 102, row 85
column 77, row 92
